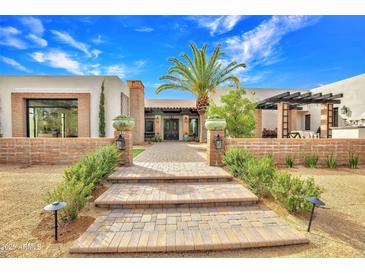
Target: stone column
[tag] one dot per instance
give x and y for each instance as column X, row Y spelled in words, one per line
column 258, row 127
column 282, row 120
column 126, row 155
column 185, row 126
column 136, row 102
column 326, row 120
column 214, row 155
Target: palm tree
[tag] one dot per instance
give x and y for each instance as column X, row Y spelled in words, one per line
column 200, row 76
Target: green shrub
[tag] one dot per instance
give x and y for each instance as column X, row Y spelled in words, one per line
column 81, row 179
column 235, row 159
column 291, row 191
column 157, row 138
column 353, row 160
column 258, row 174
column 311, row 160
column 331, row 162
column 289, row 160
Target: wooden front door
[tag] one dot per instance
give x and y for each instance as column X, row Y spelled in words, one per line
column 171, row 129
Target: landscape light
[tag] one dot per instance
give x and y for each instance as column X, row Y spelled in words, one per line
column 55, row 206
column 120, row 142
column 315, row 202
column 218, row 142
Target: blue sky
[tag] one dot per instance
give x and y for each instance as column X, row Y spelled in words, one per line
column 279, row 51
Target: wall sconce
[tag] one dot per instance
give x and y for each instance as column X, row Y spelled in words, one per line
column 120, row 142
column 186, row 119
column 157, row 119
column 218, row 142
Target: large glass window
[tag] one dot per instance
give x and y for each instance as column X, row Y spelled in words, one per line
column 193, row 127
column 52, row 118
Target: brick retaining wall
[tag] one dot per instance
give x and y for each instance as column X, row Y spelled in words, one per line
column 281, row 148
column 48, row 150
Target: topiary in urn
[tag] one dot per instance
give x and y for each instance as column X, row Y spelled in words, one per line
column 123, row 123
column 215, row 122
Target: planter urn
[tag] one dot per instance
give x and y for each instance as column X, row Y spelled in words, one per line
column 215, row 124
column 123, row 123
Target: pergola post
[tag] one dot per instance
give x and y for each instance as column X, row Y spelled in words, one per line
column 293, row 116
column 326, row 120
column 282, row 120
column 258, row 126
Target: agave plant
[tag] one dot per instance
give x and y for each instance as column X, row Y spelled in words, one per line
column 199, row 75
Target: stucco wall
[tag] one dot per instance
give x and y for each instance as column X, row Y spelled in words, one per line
column 353, row 90
column 65, row 84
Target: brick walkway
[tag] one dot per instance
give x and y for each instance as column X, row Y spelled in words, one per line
column 170, row 207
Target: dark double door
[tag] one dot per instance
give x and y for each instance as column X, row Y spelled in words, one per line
column 171, row 129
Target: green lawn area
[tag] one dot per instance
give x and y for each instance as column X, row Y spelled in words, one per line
column 137, row 151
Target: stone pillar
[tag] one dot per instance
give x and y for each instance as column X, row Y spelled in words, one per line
column 258, row 127
column 185, row 126
column 282, row 120
column 326, row 120
column 293, row 116
column 158, row 125
column 214, row 155
column 136, row 103
column 126, row 155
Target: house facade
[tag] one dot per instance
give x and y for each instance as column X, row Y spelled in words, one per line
column 68, row 106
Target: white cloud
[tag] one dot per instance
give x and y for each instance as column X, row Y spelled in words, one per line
column 8, row 31
column 98, row 40
column 34, row 24
column 39, row 41
column 8, row 37
column 69, row 40
column 119, row 70
column 96, row 52
column 13, row 63
column 58, row 59
column 145, row 29
column 218, row 24
column 260, row 45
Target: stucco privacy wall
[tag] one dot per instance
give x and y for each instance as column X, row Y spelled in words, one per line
column 48, row 150
column 113, row 87
column 280, row 149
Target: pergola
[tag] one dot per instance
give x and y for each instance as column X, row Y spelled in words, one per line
column 287, row 104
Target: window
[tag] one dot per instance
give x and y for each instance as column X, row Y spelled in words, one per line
column 149, row 126
column 307, row 122
column 52, row 118
column 193, row 127
column 335, row 117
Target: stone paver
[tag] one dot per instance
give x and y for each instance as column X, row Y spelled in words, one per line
column 171, row 161
column 213, row 228
column 171, row 200
column 124, row 194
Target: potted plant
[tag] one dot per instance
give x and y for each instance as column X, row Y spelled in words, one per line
column 215, row 122
column 123, row 123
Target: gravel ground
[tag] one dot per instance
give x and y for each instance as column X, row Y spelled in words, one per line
column 337, row 231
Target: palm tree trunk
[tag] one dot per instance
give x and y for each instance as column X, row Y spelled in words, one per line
column 202, row 129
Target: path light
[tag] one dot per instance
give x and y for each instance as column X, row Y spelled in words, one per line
column 55, row 206
column 120, row 142
column 315, row 202
column 218, row 142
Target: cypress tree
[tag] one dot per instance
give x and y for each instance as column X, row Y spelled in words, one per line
column 102, row 112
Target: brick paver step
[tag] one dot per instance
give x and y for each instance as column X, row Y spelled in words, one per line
column 187, row 194
column 186, row 229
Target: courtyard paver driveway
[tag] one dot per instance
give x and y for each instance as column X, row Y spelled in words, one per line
column 171, row 160
column 171, row 200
